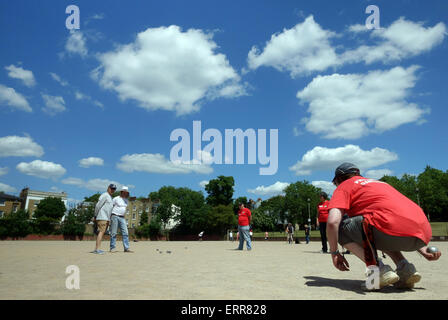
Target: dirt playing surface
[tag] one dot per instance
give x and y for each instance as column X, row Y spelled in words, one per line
column 205, row 270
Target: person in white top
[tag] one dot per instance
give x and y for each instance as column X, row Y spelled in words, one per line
column 101, row 218
column 117, row 220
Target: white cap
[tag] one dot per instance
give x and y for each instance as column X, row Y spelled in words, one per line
column 124, row 188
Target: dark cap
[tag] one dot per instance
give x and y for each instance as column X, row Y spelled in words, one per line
column 112, row 186
column 345, row 168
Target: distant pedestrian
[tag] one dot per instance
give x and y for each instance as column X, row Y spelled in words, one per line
column 244, row 221
column 231, row 236
column 266, row 235
column 307, row 233
column 290, row 233
column 103, row 210
column 200, row 235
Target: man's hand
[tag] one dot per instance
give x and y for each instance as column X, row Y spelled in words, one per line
column 340, row 262
column 429, row 256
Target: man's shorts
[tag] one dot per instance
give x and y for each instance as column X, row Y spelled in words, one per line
column 350, row 230
column 102, row 225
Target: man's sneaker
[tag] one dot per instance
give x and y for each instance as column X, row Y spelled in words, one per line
column 408, row 277
column 113, row 250
column 387, row 277
column 130, row 251
column 98, row 252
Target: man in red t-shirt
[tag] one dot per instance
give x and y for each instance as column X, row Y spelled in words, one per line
column 244, row 222
column 379, row 217
column 322, row 216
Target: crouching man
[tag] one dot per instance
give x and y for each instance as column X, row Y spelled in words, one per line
column 379, row 218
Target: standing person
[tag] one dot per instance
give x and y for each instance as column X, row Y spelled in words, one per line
column 103, row 209
column 231, row 236
column 321, row 221
column 307, row 233
column 379, row 218
column 117, row 219
column 244, row 221
column 200, row 235
column 290, row 233
column 266, row 235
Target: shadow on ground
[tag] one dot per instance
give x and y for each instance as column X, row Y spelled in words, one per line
column 349, row 285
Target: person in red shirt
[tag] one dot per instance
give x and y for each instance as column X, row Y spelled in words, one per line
column 244, row 222
column 322, row 216
column 379, row 217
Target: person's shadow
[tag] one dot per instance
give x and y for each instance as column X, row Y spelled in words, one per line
column 347, row 285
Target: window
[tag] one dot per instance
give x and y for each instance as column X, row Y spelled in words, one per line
column 1, row 214
column 133, row 216
column 134, row 208
column 147, row 209
column 2, row 203
column 133, row 225
column 14, row 209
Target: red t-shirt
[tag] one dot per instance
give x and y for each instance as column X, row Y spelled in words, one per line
column 383, row 206
column 323, row 211
column 243, row 217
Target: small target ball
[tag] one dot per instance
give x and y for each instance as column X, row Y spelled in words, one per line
column 432, row 250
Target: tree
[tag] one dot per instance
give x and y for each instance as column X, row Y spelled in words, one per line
column 222, row 218
column 433, row 192
column 238, row 201
column 261, row 221
column 48, row 213
column 296, row 201
column 74, row 224
column 274, row 209
column 220, row 191
column 15, row 225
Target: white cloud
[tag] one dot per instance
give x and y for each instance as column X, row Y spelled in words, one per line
column 322, row 159
column 156, row 163
column 94, row 184
column 58, row 79
column 402, row 39
column 76, row 43
column 26, row 76
column 377, row 174
column 168, row 69
column 360, row 104
column 54, row 104
column 203, row 183
column 14, row 146
column 10, row 97
column 6, row 188
column 326, row 186
column 41, row 169
column 81, row 96
column 3, row 171
column 91, row 161
column 273, row 189
column 300, row 50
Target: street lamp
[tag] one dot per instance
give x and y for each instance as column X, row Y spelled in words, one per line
column 309, row 212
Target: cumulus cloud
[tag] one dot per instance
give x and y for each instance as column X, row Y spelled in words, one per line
column 326, row 186
column 166, row 68
column 377, row 174
column 402, row 39
column 41, row 169
column 323, row 159
column 26, row 76
column 156, row 163
column 76, row 44
column 15, row 146
column 299, row 51
column 7, row 188
column 81, row 96
column 91, row 161
column 10, row 97
column 203, row 183
column 351, row 106
column 94, row 184
column 53, row 104
column 58, row 79
column 273, row 189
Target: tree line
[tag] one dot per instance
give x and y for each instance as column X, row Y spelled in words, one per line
column 216, row 212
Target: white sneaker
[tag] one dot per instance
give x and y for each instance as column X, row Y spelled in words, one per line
column 408, row 277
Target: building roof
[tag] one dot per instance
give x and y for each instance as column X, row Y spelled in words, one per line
column 8, row 197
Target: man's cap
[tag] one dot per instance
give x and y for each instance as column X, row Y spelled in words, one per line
column 124, row 189
column 345, row 168
column 112, row 186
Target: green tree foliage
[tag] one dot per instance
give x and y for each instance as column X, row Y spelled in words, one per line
column 15, row 225
column 74, row 223
column 220, row 191
column 296, row 202
column 238, row 201
column 222, row 218
column 262, row 221
column 93, row 198
column 151, row 230
column 275, row 210
column 51, row 207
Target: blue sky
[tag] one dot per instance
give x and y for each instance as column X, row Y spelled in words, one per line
column 86, row 107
